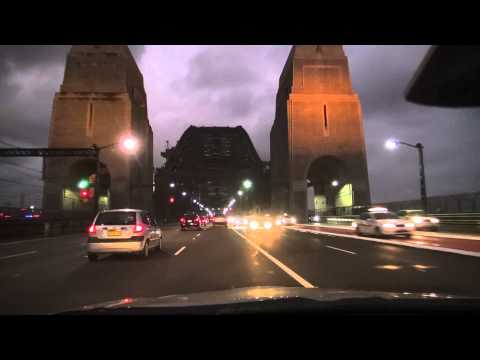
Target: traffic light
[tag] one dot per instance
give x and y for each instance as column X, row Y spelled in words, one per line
column 171, row 199
column 84, row 194
column 83, row 184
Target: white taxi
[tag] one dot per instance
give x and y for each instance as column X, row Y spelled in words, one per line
column 381, row 222
column 420, row 219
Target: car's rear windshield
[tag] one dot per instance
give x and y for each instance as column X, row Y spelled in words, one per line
column 116, row 218
column 385, row 215
column 190, row 214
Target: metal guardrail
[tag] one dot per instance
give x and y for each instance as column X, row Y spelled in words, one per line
column 459, row 219
column 469, row 219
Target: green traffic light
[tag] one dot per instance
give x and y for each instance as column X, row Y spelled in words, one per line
column 83, row 184
column 247, row 184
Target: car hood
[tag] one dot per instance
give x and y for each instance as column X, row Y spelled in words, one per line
column 259, row 294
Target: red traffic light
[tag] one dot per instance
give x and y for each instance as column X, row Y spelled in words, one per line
column 86, row 193
column 171, row 199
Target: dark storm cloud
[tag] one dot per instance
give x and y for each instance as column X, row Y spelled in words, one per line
column 217, row 68
column 19, row 57
column 236, row 104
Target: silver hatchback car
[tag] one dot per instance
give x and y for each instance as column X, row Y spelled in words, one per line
column 123, row 231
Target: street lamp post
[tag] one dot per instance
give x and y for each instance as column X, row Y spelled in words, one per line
column 129, row 144
column 423, row 185
column 392, row 144
column 247, row 185
column 97, row 177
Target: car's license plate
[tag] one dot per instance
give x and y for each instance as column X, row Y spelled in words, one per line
column 113, row 233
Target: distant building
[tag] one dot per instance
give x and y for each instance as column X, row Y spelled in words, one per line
column 101, row 99
column 209, row 164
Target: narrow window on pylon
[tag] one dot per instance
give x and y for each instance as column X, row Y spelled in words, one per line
column 90, row 120
column 325, row 120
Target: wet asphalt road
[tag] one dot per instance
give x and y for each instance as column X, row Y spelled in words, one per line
column 51, row 275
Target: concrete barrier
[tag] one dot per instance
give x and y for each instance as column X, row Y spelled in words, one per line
column 24, row 229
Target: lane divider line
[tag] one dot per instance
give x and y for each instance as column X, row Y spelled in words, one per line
column 277, row 262
column 394, row 242
column 334, row 248
column 28, row 241
column 180, row 250
column 20, row 254
column 417, row 232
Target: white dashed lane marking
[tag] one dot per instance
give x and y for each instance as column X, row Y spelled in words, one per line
column 338, row 249
column 180, row 250
column 277, row 262
column 20, row 254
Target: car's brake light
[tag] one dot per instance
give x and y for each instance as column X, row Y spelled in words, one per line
column 91, row 229
column 138, row 228
column 182, row 220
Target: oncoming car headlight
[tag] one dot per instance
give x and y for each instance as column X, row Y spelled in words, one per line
column 410, row 225
column 253, row 225
column 316, row 218
column 278, row 222
column 267, row 225
column 354, row 225
column 434, row 221
column 417, row 220
column 294, row 220
column 388, row 226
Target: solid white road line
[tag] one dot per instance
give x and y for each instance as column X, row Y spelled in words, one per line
column 180, row 250
column 20, row 254
column 447, row 235
column 421, row 233
column 277, row 262
column 334, row 248
column 393, row 242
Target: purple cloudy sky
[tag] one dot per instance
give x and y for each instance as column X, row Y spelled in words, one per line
column 236, row 85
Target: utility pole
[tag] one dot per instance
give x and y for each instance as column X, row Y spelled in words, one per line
column 423, row 186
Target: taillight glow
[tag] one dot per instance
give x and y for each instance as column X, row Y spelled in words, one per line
column 182, row 220
column 138, row 228
column 91, row 229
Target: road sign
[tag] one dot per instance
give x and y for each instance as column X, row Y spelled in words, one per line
column 47, row 152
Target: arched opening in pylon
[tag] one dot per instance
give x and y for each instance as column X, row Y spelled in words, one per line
column 79, row 187
column 329, row 188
